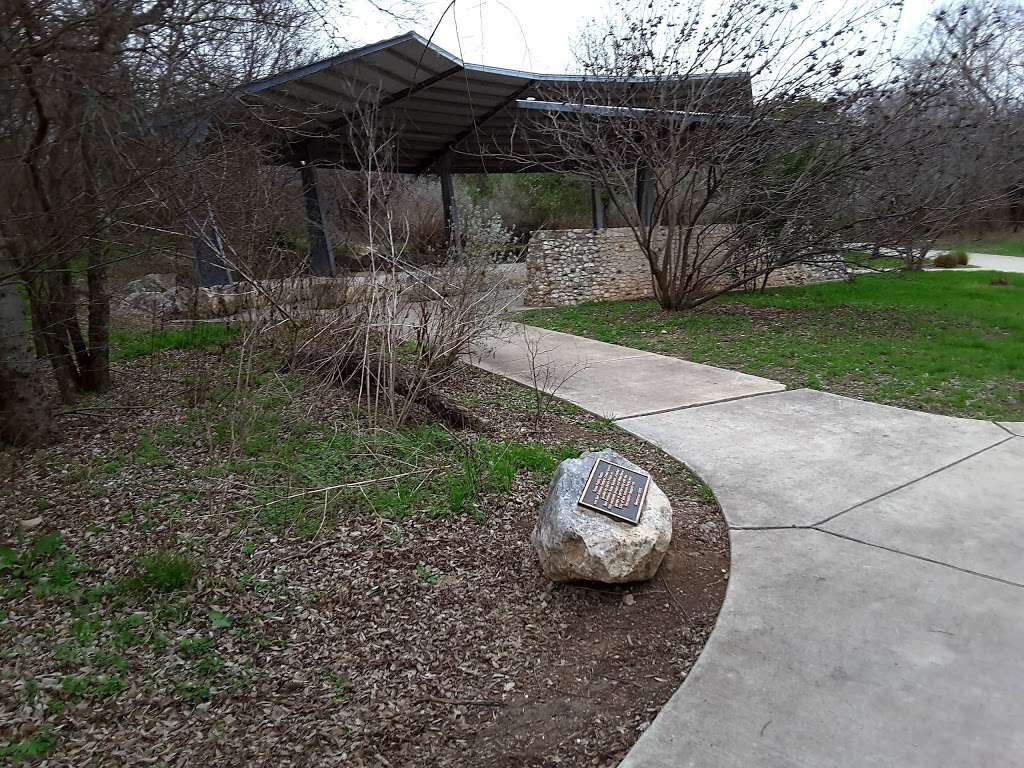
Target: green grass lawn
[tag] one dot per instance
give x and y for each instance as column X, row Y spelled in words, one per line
column 998, row 245
column 945, row 343
column 864, row 260
column 126, row 344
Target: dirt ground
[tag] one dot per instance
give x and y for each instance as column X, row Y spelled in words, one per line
column 370, row 639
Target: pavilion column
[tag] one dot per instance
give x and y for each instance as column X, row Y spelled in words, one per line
column 451, row 212
column 321, row 259
column 646, row 194
column 596, row 206
column 210, row 265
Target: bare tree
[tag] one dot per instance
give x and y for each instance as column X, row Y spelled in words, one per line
column 398, row 338
column 978, row 48
column 85, row 92
column 24, row 416
column 750, row 135
column 948, row 130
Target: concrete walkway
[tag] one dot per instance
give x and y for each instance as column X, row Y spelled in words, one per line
column 875, row 608
column 996, row 263
column 989, row 261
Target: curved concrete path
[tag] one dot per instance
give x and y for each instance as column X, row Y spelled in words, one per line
column 996, row 263
column 990, row 262
column 875, row 608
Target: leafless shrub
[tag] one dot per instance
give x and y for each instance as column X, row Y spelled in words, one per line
column 951, row 260
column 406, row 325
column 532, row 201
column 547, row 376
column 417, row 203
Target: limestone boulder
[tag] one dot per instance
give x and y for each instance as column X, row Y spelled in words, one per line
column 143, row 301
column 152, row 283
column 574, row 543
column 172, row 303
column 204, row 303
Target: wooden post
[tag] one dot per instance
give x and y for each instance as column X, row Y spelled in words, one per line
column 208, row 251
column 321, row 259
column 596, row 206
column 451, row 212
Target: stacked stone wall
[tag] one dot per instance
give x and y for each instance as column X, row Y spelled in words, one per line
column 158, row 295
column 575, row 266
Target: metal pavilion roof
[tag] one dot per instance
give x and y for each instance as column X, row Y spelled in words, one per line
column 441, row 107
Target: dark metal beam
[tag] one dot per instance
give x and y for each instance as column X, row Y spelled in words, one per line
column 596, row 206
column 394, row 98
column 321, row 259
column 646, row 194
column 451, row 212
column 417, row 87
column 208, row 250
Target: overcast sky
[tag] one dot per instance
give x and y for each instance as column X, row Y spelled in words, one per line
column 534, row 35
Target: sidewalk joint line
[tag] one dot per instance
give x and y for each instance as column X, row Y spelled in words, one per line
column 900, row 487
column 855, row 540
column 968, row 571
column 1007, row 431
column 699, row 405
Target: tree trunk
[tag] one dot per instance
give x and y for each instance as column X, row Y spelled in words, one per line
column 351, row 369
column 25, row 416
column 38, row 340
column 45, row 310
column 97, row 372
column 69, row 310
column 663, row 293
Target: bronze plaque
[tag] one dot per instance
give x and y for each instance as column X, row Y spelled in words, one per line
column 616, row 491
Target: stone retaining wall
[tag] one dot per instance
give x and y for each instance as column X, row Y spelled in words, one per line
column 574, row 266
column 158, row 295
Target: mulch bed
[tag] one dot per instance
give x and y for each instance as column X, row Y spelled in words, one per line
column 421, row 641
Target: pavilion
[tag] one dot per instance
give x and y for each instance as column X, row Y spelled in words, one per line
column 447, row 116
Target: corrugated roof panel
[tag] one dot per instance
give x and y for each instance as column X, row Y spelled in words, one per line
column 410, row 68
column 438, row 105
column 456, row 91
column 336, row 100
column 422, row 53
column 294, row 103
column 435, row 125
column 388, row 82
column 330, row 86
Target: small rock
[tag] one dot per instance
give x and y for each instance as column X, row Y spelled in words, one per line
column 628, row 599
column 32, row 522
column 578, row 544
